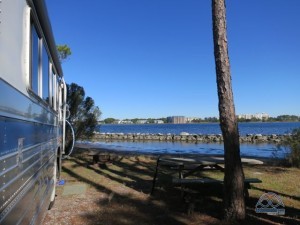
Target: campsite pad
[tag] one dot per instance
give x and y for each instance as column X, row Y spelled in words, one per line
column 74, row 189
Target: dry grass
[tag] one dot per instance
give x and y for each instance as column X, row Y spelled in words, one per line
column 118, row 193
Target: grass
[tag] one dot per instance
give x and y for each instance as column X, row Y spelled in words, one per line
column 118, row 193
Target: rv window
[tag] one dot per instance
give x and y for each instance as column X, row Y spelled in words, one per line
column 45, row 75
column 57, row 93
column 53, row 90
column 34, row 61
column 50, row 85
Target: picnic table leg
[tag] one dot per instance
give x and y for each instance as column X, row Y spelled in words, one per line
column 198, row 168
column 154, row 177
column 180, row 169
column 95, row 159
column 218, row 167
column 246, row 191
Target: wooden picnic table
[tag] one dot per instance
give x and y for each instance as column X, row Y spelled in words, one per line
column 99, row 157
column 188, row 166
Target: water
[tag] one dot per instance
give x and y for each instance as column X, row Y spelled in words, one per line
column 203, row 128
column 258, row 150
column 254, row 150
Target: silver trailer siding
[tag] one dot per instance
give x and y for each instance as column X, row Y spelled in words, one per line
column 31, row 121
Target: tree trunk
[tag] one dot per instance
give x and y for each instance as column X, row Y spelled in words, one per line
column 234, row 201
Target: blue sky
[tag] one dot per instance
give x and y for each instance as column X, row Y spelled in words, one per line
column 154, row 58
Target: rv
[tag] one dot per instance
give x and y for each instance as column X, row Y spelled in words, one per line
column 32, row 112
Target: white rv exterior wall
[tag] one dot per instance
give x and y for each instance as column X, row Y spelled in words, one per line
column 14, row 43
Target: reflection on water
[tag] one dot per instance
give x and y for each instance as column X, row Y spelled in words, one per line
column 255, row 150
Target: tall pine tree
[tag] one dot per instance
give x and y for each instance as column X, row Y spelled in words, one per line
column 234, row 201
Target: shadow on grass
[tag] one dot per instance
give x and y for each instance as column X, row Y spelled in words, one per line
column 121, row 208
column 166, row 207
column 281, row 194
column 291, row 216
column 129, row 175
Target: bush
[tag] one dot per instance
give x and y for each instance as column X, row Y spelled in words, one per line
column 293, row 143
column 84, row 115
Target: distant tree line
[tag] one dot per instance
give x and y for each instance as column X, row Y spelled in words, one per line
column 281, row 118
column 135, row 120
column 291, row 118
column 206, row 120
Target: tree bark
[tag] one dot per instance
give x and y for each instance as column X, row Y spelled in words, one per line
column 234, row 202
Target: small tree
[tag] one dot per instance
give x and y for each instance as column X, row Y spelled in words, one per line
column 293, row 143
column 84, row 115
column 64, row 52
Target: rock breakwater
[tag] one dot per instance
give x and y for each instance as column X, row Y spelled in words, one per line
column 186, row 137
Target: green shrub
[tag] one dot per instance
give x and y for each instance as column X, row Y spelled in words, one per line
column 293, row 143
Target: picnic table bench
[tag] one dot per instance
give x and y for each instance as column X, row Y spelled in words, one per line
column 187, row 167
column 198, row 181
column 99, row 157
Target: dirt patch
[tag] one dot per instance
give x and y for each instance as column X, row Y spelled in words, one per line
column 118, row 193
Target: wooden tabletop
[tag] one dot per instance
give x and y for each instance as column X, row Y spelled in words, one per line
column 204, row 160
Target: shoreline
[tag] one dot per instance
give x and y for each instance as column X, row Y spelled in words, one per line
column 84, row 148
column 186, row 137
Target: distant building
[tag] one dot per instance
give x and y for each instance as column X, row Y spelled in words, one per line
column 117, row 122
column 259, row 116
column 176, row 119
column 158, row 121
column 125, row 122
column 141, row 121
column 262, row 116
column 245, row 116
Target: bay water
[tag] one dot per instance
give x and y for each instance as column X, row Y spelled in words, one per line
column 201, row 128
column 253, row 150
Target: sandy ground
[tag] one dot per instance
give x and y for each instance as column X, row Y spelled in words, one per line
column 117, row 192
